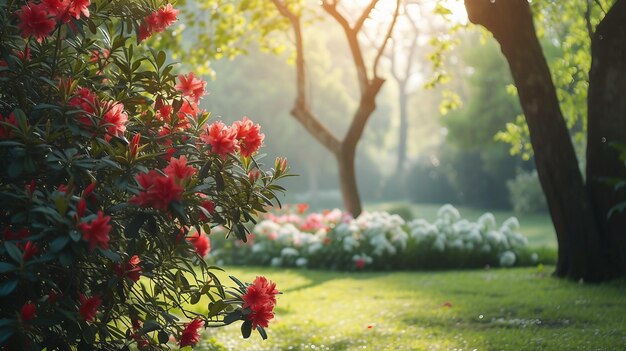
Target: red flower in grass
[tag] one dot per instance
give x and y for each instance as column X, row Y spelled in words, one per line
column 6, row 131
column 114, row 118
column 190, row 335
column 249, row 136
column 201, row 243
column 35, row 21
column 159, row 191
column 178, row 169
column 89, row 307
column 191, row 86
column 223, row 140
column 27, row 312
column 130, row 270
column 97, row 231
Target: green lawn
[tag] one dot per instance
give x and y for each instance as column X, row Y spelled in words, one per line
column 537, row 228
column 497, row 309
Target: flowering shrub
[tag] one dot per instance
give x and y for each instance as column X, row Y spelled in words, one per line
column 112, row 179
column 378, row 240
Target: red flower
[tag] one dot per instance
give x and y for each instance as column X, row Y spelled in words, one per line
column 115, row 118
column 30, row 250
column 143, row 32
column 27, row 312
column 131, row 269
column 89, row 307
column 134, row 145
column 6, row 131
column 209, row 206
column 201, row 243
column 191, row 86
column 260, row 297
column 58, row 9
column 78, row 7
column 360, row 263
column 188, row 108
column 97, row 231
column 302, row 208
column 221, row 138
column 177, row 168
column 261, row 317
column 85, row 100
column 165, row 17
column 249, row 136
column 190, row 335
column 9, row 234
column 35, row 21
column 159, row 191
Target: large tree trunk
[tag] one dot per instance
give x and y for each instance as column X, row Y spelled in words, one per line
column 347, row 180
column 606, row 127
column 581, row 252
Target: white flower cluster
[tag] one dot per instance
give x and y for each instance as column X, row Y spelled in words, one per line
column 450, row 232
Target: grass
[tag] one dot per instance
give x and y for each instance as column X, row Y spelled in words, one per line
column 537, row 227
column 497, row 309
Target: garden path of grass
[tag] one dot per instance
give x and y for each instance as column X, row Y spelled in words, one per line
column 497, row 309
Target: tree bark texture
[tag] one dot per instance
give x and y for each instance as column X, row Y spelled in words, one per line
column 582, row 254
column 606, row 126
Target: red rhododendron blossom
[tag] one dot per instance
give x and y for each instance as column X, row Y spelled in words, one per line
column 59, row 9
column 209, row 206
column 35, row 21
column 249, row 136
column 166, row 16
column 191, row 86
column 190, row 335
column 79, row 7
column 6, row 131
column 9, row 234
column 143, row 32
column 27, row 312
column 97, row 231
column 178, row 168
column 201, row 243
column 114, row 118
column 130, row 270
column 261, row 317
column 188, row 108
column 221, row 138
column 159, row 191
column 85, row 100
column 30, row 250
column 89, row 307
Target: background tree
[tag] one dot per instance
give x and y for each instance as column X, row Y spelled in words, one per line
column 591, row 243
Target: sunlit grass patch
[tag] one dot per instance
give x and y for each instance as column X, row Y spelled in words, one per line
column 501, row 309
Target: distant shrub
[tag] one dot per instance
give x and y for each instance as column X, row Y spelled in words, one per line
column 526, row 194
column 378, row 241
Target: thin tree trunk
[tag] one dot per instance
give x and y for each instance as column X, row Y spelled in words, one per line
column 404, row 126
column 607, row 127
column 581, row 254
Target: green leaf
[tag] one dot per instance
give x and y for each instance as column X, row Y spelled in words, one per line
column 215, row 308
column 233, row 317
column 149, row 326
column 163, row 336
column 13, row 251
column 7, row 287
column 113, row 256
column 262, row 332
column 6, row 267
column 59, row 243
column 246, row 329
column 5, row 334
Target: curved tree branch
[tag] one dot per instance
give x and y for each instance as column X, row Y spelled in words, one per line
column 381, row 49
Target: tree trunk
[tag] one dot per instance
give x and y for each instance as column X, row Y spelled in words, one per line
column 404, row 126
column 347, row 180
column 606, row 125
column 581, row 253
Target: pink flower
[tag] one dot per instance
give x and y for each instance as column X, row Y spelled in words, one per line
column 158, row 191
column 190, row 335
column 27, row 312
column 166, row 16
column 221, row 138
column 249, row 136
column 89, row 307
column 177, row 168
column 97, row 231
column 201, row 243
column 191, row 86
column 114, row 118
column 35, row 21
